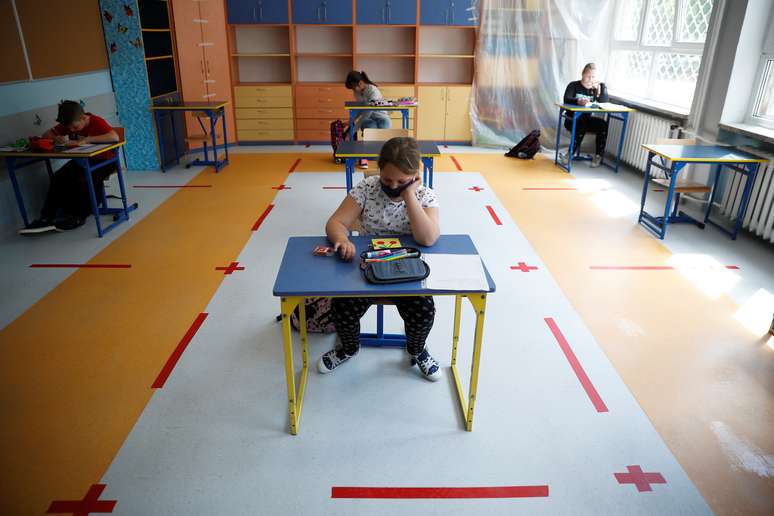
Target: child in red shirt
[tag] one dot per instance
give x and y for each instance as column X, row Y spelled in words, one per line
column 67, row 200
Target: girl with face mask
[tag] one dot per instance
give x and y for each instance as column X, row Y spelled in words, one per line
column 365, row 90
column 584, row 92
column 392, row 203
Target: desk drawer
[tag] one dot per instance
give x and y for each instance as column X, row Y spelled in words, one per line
column 331, row 113
column 265, row 124
column 262, row 91
column 262, row 135
column 253, row 102
column 325, row 91
column 323, row 101
column 248, row 113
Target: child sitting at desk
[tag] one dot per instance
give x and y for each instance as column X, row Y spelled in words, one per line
column 584, row 93
column 392, row 203
column 68, row 192
column 365, row 91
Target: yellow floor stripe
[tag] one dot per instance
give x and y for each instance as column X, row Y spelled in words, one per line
column 76, row 368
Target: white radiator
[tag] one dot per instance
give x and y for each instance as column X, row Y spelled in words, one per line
column 641, row 128
column 759, row 217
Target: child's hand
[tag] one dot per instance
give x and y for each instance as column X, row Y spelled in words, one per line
column 583, row 102
column 411, row 188
column 60, row 140
column 345, row 248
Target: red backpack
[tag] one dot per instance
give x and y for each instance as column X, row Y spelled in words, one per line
column 527, row 147
column 338, row 134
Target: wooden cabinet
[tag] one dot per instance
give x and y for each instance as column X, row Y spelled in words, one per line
column 449, row 12
column 387, row 12
column 264, row 113
column 203, row 59
column 316, row 107
column 444, row 113
column 257, row 11
column 330, row 12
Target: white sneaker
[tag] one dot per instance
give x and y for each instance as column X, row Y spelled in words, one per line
column 596, row 161
column 429, row 366
column 363, row 163
column 563, row 158
column 331, row 360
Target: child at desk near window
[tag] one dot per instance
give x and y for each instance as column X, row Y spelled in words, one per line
column 67, row 203
column 366, row 91
column 584, row 92
column 392, row 203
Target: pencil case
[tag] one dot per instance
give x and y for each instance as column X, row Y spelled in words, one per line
column 395, row 271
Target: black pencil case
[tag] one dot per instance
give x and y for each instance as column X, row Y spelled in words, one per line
column 395, row 271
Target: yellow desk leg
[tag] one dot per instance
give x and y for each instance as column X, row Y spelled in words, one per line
column 467, row 403
column 288, row 304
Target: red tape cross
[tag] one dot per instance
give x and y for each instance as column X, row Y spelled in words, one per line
column 262, row 218
column 639, row 478
column 456, row 163
column 440, row 492
column 494, row 215
column 591, row 392
column 178, row 352
column 293, row 167
column 80, row 266
column 90, row 503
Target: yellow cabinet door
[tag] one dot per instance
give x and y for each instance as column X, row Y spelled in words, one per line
column 458, row 113
column 431, row 112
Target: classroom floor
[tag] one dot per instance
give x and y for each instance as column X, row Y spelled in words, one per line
column 606, row 387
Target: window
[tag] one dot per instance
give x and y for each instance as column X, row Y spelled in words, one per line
column 656, row 49
column 762, row 112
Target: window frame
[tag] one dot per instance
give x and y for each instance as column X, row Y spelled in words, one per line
column 675, row 47
column 757, row 92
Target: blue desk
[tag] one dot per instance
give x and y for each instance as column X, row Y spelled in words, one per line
column 351, row 152
column 353, row 107
column 213, row 110
column 724, row 158
column 571, row 112
column 82, row 156
column 303, row 275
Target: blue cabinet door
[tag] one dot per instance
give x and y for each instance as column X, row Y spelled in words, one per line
column 463, row 12
column 434, row 12
column 331, row 12
column 387, row 12
column 240, row 11
column 257, row 11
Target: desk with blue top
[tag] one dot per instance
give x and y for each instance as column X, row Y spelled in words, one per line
column 302, row 275
column 352, row 151
column 352, row 107
column 724, row 158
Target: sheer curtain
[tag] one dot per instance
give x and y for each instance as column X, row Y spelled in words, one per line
column 527, row 52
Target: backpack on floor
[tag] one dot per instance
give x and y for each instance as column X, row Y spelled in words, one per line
column 338, row 133
column 527, row 147
column 318, row 316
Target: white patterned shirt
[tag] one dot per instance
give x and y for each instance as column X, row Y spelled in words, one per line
column 383, row 216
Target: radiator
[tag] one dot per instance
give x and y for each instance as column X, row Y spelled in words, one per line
column 641, row 128
column 759, row 217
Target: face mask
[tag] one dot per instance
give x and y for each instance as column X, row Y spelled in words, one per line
column 395, row 192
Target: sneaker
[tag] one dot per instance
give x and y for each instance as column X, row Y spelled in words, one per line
column 331, row 360
column 428, row 365
column 596, row 161
column 69, row 222
column 563, row 158
column 38, row 226
column 363, row 163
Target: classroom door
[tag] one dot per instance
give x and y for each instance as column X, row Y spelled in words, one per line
column 431, row 112
column 216, row 60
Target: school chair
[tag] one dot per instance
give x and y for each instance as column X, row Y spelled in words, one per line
column 373, row 134
column 205, row 138
column 121, row 132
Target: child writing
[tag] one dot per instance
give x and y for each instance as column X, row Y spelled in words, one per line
column 366, row 91
column 67, row 203
column 584, row 92
column 392, row 203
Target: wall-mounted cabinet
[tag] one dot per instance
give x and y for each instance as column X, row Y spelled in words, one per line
column 327, row 12
column 449, row 12
column 257, row 11
column 387, row 12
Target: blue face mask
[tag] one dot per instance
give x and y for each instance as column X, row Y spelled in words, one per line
column 395, row 192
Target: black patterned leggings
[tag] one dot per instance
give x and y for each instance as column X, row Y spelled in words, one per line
column 418, row 314
column 589, row 124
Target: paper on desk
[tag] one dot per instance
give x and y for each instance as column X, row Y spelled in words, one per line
column 455, row 272
column 88, row 148
column 610, row 105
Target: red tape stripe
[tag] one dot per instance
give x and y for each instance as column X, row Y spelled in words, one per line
column 262, row 218
column 645, row 267
column 546, row 189
column 456, row 163
column 334, row 187
column 494, row 215
column 80, row 266
column 293, row 167
column 440, row 492
column 592, row 393
column 171, row 186
column 178, row 352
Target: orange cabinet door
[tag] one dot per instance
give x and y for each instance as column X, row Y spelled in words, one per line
column 190, row 58
column 216, row 59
